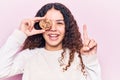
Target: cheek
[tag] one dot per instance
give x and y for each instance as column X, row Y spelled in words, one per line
column 61, row 30
column 44, row 35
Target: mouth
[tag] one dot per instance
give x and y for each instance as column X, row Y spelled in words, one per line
column 53, row 37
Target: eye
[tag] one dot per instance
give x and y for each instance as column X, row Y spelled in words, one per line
column 60, row 23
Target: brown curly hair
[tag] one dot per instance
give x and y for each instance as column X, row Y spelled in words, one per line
column 71, row 41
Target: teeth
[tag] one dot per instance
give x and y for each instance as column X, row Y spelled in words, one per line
column 53, row 35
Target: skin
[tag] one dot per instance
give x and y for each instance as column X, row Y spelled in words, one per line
column 89, row 45
column 27, row 26
column 55, row 35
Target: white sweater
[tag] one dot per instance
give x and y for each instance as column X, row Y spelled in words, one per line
column 41, row 64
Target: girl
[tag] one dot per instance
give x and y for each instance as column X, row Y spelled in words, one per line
column 55, row 54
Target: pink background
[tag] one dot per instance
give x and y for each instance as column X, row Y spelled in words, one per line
column 101, row 16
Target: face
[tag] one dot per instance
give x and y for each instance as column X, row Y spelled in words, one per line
column 55, row 35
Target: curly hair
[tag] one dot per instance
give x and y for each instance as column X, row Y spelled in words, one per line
column 72, row 39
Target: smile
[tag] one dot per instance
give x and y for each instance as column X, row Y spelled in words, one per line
column 53, row 37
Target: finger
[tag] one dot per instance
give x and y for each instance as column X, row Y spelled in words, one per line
column 34, row 20
column 39, row 31
column 84, row 49
column 28, row 24
column 92, row 44
column 32, row 25
column 85, row 34
column 86, row 42
column 34, row 31
column 37, row 19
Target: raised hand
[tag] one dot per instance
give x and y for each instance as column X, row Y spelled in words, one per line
column 89, row 45
column 27, row 26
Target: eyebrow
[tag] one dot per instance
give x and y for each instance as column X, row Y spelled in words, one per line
column 60, row 20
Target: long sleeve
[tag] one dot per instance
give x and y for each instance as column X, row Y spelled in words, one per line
column 92, row 66
column 8, row 53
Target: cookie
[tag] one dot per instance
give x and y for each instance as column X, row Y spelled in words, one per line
column 45, row 24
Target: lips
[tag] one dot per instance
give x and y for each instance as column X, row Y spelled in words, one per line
column 53, row 37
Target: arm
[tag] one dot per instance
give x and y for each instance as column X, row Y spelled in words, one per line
column 8, row 53
column 10, row 62
column 89, row 56
column 92, row 66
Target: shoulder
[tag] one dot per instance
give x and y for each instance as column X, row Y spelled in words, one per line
column 87, row 59
column 27, row 54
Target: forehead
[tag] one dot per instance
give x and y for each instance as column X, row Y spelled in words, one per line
column 54, row 14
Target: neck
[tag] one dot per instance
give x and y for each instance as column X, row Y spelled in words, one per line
column 53, row 48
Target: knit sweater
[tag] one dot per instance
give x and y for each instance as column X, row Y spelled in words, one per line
column 42, row 64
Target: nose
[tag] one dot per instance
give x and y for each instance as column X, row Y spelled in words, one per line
column 53, row 27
